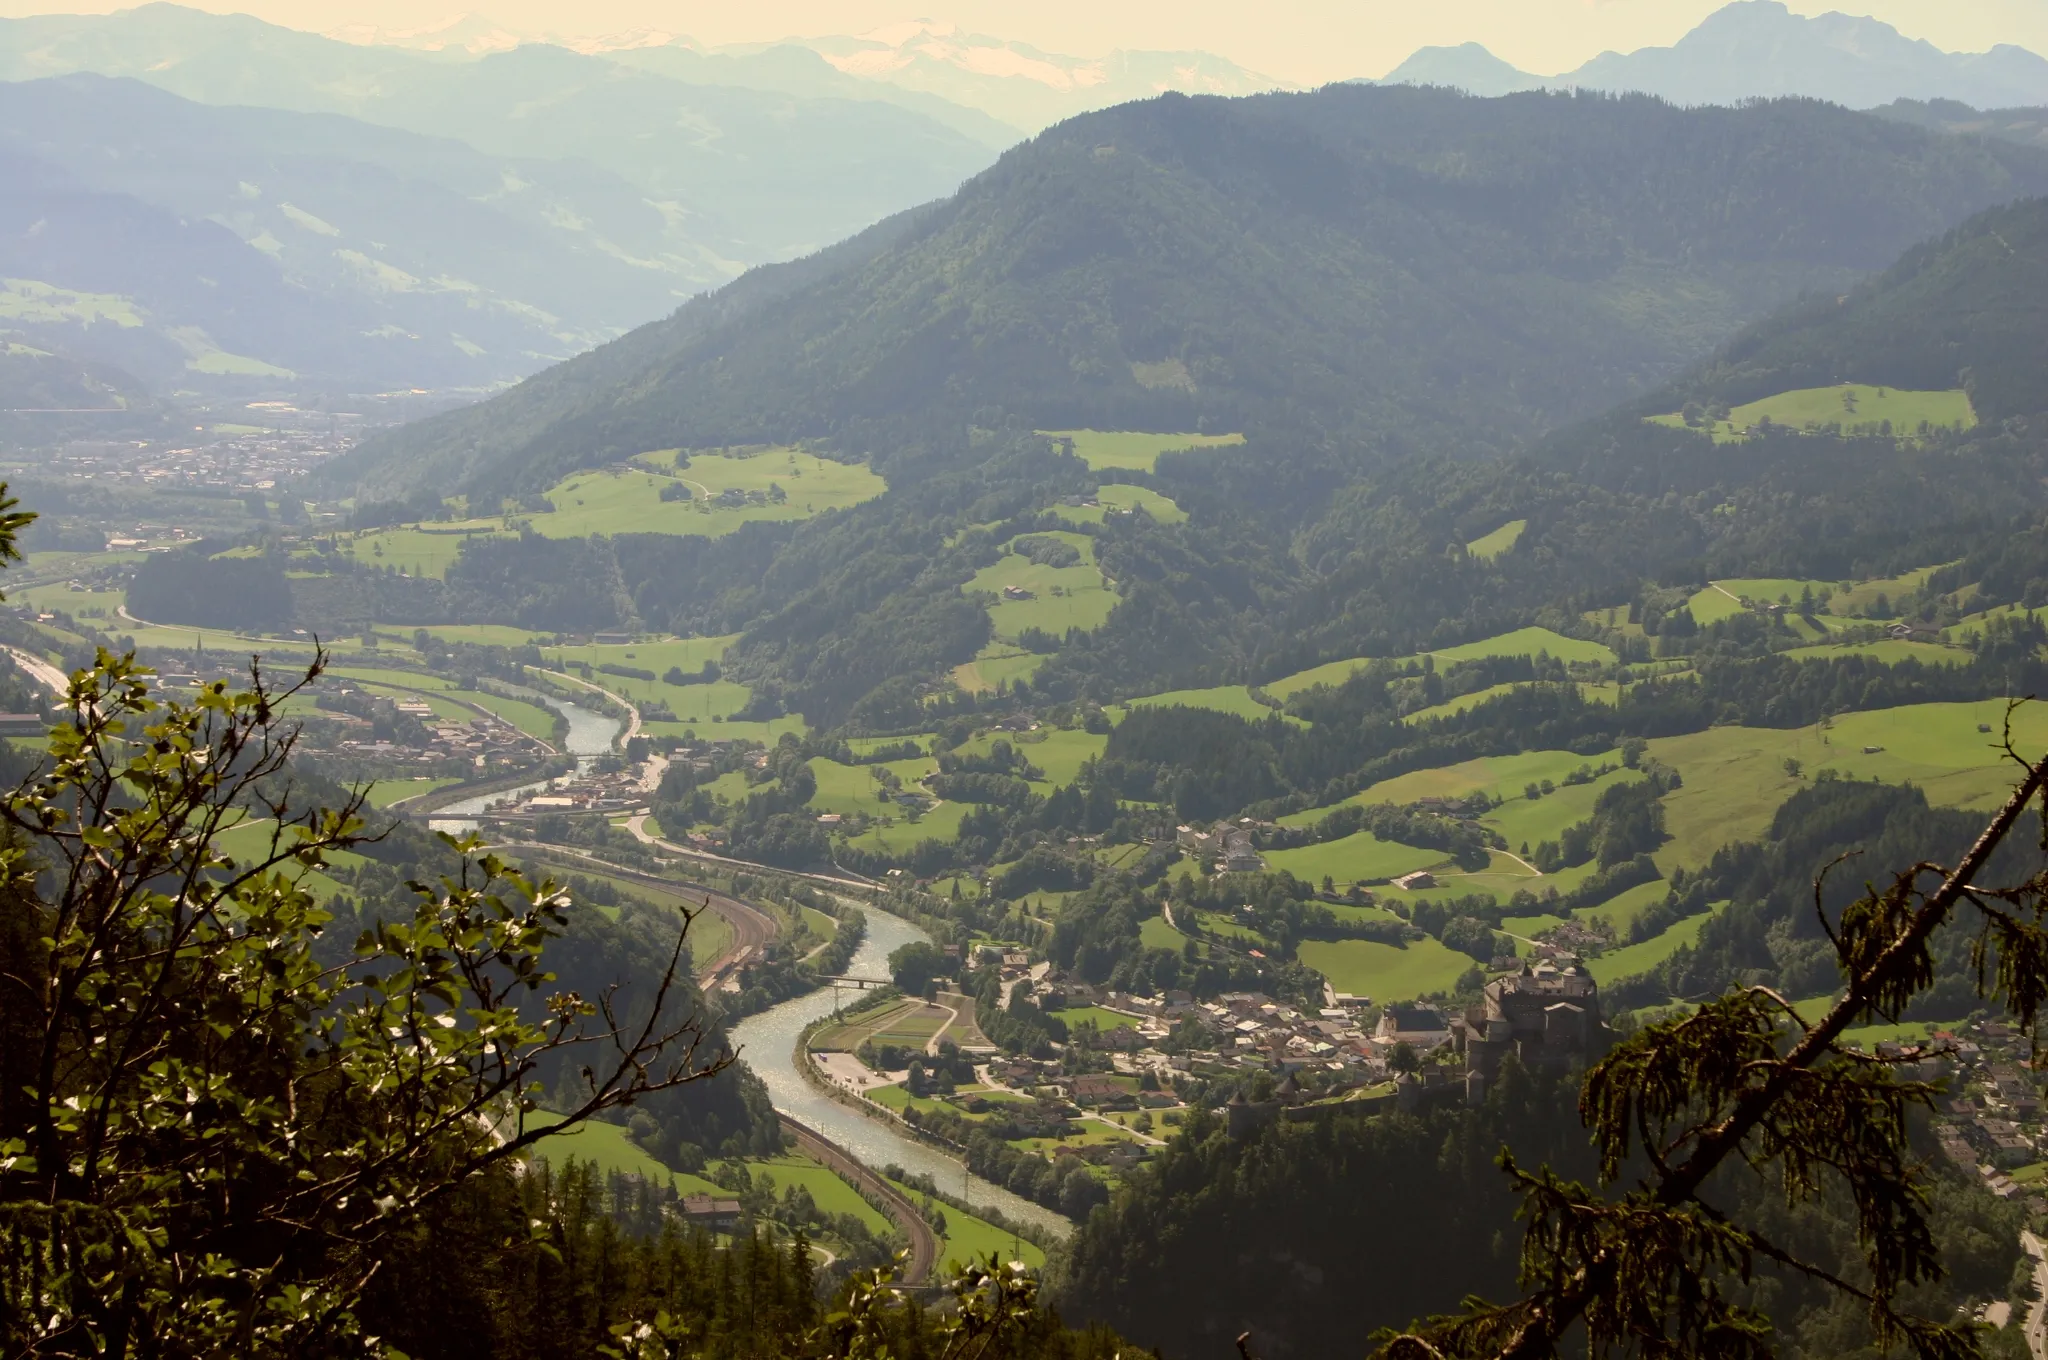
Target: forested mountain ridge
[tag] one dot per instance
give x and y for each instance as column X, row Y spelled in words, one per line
column 1956, row 313
column 1407, row 270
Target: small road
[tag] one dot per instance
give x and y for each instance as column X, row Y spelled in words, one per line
column 924, row 1243
column 41, row 671
column 2037, row 1311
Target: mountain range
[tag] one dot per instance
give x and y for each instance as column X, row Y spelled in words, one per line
column 1760, row 49
column 933, row 67
column 406, row 220
column 1317, row 263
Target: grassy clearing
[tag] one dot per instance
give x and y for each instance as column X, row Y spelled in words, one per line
column 1890, row 651
column 1735, row 776
column 611, row 1151
column 1528, row 642
column 692, row 702
column 1154, row 933
column 725, row 492
column 1355, row 858
column 385, row 792
column 1224, row 699
column 942, row 823
column 1860, row 596
column 416, row 550
column 1054, row 599
column 996, row 665
column 1620, row 911
column 1544, row 819
column 850, row 1034
column 532, row 719
column 1501, row 540
column 1500, row 776
column 831, row 1194
column 1134, row 449
column 1858, row 408
column 483, row 634
column 1521, row 642
column 1382, row 971
column 1121, row 498
column 1616, row 964
column 968, row 1239
column 1103, row 1020
column 1059, row 751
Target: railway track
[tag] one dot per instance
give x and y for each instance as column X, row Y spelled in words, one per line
column 924, row 1243
column 753, row 930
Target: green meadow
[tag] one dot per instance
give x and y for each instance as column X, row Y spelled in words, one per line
column 1386, row 972
column 1521, row 642
column 1501, row 540
column 1059, row 598
column 1735, row 777
column 1888, row 651
column 1224, row 699
column 1059, row 751
column 996, row 665
column 1616, row 964
column 1121, row 497
column 416, row 550
column 1134, row 449
column 1858, row 408
column 1353, row 859
column 620, row 500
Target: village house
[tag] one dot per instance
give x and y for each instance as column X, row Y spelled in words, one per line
column 1422, row 1028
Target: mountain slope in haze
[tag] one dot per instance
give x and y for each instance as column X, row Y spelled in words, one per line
column 1959, row 311
column 1964, row 310
column 747, row 175
column 1468, row 67
column 2028, row 127
column 1406, row 270
column 1025, row 87
column 490, row 267
column 1760, row 49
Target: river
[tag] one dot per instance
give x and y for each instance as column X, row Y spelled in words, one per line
column 590, row 735
column 768, row 1042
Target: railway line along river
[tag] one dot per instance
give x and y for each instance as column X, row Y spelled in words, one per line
column 768, row 1043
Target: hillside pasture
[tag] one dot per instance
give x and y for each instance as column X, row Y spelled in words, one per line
column 1118, row 498
column 1055, row 599
column 1521, row 642
column 726, row 491
column 1857, row 408
column 996, row 665
column 1059, row 751
column 417, row 550
column 1386, row 972
column 1616, row 964
column 1357, row 858
column 1890, row 651
column 1735, row 777
column 1501, row 541
column 1134, row 449
column 1222, row 699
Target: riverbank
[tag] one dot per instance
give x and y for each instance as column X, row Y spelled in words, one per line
column 768, row 1042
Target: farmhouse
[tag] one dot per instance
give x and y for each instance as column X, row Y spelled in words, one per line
column 719, row 1215
column 1421, row 878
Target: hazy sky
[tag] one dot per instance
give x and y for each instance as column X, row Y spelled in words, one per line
column 1299, row 40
